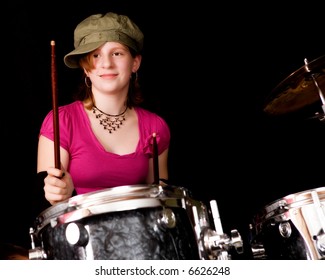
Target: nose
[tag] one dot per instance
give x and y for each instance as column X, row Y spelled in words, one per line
column 106, row 61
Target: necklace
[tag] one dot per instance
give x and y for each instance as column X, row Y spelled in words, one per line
column 109, row 122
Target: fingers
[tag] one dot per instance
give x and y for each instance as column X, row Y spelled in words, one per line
column 55, row 186
column 56, row 172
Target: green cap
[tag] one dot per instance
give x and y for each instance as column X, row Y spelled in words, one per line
column 98, row 29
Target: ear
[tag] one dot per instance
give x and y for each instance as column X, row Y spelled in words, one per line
column 136, row 63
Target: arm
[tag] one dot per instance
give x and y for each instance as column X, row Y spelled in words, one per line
column 58, row 184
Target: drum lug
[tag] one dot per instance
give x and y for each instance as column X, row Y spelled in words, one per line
column 167, row 219
column 285, row 229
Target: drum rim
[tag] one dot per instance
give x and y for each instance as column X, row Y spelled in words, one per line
column 284, row 204
column 145, row 193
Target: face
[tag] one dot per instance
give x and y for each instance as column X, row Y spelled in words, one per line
column 111, row 66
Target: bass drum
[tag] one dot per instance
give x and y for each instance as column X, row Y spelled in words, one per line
column 121, row 223
column 291, row 228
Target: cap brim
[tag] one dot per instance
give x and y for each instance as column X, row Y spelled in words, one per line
column 71, row 59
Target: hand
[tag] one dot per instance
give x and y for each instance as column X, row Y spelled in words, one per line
column 58, row 185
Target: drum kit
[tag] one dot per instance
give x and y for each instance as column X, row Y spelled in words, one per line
column 151, row 222
column 132, row 222
column 166, row 222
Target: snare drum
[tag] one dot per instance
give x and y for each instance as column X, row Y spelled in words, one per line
column 120, row 223
column 292, row 227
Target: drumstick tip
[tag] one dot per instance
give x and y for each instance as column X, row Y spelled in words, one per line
column 52, row 43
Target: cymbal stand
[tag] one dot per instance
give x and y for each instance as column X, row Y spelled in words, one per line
column 320, row 93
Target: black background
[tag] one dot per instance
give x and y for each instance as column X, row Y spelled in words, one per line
column 207, row 69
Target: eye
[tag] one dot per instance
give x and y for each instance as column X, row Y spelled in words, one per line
column 116, row 54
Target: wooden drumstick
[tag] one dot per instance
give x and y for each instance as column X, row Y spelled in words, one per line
column 155, row 159
column 55, row 108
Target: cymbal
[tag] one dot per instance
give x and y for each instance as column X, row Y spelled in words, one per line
column 298, row 90
column 10, row 251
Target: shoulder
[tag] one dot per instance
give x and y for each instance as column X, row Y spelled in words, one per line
column 70, row 120
column 68, row 108
column 150, row 122
column 148, row 116
column 73, row 107
column 66, row 113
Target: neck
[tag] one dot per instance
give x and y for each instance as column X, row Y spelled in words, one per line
column 112, row 103
column 122, row 112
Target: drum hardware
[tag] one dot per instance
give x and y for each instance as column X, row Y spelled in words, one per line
column 35, row 253
column 320, row 238
column 319, row 209
column 215, row 244
column 257, row 247
column 168, row 218
column 314, row 78
column 285, row 229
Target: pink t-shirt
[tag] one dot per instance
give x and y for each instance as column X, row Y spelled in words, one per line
column 91, row 167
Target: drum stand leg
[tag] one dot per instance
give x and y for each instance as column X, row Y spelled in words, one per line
column 35, row 253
